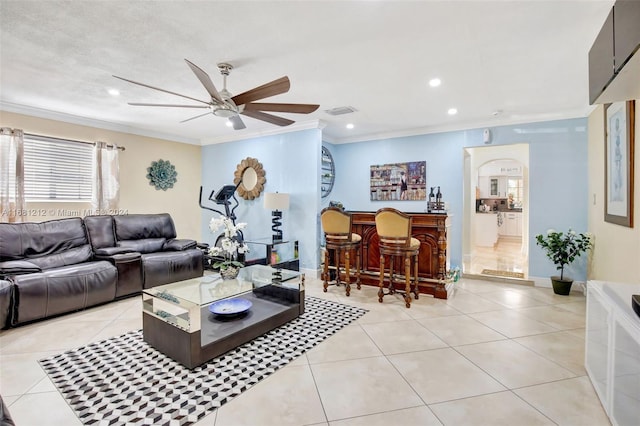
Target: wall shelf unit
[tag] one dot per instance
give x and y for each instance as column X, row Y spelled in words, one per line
column 327, row 173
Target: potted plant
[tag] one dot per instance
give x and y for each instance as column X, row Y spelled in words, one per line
column 231, row 245
column 563, row 248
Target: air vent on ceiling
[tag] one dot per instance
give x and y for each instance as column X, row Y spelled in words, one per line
column 340, row 110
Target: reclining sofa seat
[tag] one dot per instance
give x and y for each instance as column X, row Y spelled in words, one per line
column 52, row 269
column 164, row 258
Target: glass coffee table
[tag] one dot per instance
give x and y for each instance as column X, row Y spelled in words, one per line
column 194, row 321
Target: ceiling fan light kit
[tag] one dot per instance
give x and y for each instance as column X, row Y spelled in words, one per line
column 223, row 104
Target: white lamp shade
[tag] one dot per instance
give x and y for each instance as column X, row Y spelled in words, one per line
column 276, row 201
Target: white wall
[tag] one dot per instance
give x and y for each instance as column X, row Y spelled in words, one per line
column 617, row 248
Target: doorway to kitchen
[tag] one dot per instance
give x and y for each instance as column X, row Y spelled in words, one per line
column 495, row 222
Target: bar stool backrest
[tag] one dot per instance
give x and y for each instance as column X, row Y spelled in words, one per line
column 393, row 228
column 336, row 225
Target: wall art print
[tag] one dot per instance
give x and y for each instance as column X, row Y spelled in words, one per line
column 162, row 174
column 399, row 182
column 618, row 175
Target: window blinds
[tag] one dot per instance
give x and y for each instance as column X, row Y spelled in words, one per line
column 57, row 169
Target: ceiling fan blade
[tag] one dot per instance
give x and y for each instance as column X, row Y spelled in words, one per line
column 237, row 122
column 168, row 105
column 162, row 90
column 206, row 81
column 197, row 116
column 273, row 88
column 294, row 108
column 279, row 121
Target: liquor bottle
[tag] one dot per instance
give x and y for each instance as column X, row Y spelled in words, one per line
column 431, row 196
column 439, row 195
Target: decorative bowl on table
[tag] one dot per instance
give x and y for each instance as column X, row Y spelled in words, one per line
column 230, row 306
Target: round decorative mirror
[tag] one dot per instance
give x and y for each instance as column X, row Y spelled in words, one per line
column 250, row 174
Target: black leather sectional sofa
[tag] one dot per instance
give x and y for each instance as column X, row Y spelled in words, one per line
column 64, row 265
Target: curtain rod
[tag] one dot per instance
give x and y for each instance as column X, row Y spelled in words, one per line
column 121, row 148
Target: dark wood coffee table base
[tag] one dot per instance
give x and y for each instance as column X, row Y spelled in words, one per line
column 218, row 334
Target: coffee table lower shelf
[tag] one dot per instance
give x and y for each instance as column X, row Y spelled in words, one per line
column 218, row 334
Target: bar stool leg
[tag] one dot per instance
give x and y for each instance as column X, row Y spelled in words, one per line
column 347, row 275
column 358, row 267
column 381, row 284
column 407, row 280
column 416, row 290
column 325, row 274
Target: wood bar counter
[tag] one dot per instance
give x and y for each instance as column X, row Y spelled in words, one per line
column 430, row 229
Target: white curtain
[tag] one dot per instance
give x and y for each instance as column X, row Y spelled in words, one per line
column 12, row 206
column 106, row 182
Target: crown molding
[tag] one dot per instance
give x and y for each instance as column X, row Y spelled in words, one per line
column 461, row 126
column 91, row 122
column 304, row 125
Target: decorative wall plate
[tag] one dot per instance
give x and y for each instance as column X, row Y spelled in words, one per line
column 250, row 174
column 162, row 174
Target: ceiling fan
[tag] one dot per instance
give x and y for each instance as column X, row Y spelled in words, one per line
column 223, row 104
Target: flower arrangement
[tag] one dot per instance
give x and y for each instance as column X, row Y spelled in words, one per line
column 563, row 248
column 231, row 243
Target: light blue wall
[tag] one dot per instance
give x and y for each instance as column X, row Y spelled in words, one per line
column 557, row 180
column 558, row 177
column 291, row 162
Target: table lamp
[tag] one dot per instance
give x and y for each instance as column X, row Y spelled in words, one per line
column 277, row 202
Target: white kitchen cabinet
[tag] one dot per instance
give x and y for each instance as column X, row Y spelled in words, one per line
column 486, row 229
column 511, row 224
column 612, row 349
column 495, row 186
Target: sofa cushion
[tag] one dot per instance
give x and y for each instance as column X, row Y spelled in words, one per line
column 64, row 289
column 68, row 257
column 31, row 240
column 17, row 267
column 142, row 226
column 146, row 245
column 100, row 230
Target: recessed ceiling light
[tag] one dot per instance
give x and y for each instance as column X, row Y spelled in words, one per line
column 113, row 92
column 229, row 123
column 434, row 82
column 452, row 111
column 350, row 126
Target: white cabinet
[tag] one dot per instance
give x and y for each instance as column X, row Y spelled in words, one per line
column 612, row 349
column 511, row 225
column 486, row 229
column 492, row 186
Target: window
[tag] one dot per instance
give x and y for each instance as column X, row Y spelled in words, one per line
column 57, row 169
column 515, row 186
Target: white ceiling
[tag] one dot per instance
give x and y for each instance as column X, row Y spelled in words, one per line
column 527, row 59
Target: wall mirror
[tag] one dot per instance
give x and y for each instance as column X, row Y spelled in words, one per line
column 250, row 175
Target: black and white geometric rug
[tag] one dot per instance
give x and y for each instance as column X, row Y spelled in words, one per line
column 123, row 380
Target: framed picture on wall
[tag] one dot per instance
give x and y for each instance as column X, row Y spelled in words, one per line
column 399, row 182
column 618, row 163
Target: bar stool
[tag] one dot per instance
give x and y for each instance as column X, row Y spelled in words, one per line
column 394, row 232
column 339, row 238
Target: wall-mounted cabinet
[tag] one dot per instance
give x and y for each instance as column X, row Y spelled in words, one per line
column 614, row 57
column 327, row 173
column 492, row 186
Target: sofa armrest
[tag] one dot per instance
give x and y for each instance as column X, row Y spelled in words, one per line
column 18, row 267
column 179, row 245
column 111, row 251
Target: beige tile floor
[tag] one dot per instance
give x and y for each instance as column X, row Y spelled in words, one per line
column 493, row 354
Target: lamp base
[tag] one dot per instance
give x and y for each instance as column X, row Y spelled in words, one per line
column 276, row 217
